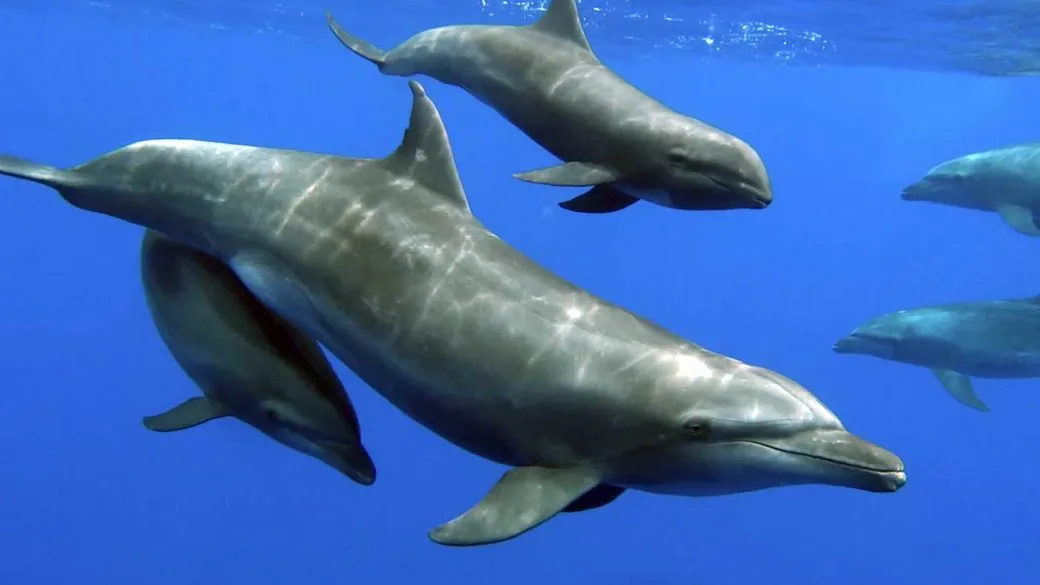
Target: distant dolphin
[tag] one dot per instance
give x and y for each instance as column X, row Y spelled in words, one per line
column 1006, row 181
column 985, row 339
column 249, row 363
column 382, row 262
column 545, row 79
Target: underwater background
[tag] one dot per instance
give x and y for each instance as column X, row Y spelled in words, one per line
column 88, row 496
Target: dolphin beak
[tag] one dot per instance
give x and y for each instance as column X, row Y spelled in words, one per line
column 351, row 460
column 845, row 344
column 841, row 458
column 760, row 196
column 913, row 192
column 755, row 194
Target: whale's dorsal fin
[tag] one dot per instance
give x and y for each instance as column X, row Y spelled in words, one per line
column 561, row 20
column 425, row 153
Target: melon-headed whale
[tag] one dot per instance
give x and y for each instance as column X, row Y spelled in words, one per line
column 622, row 144
column 1005, row 180
column 957, row 341
column 383, row 263
column 249, row 363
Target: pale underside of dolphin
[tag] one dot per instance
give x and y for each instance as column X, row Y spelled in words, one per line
column 383, row 263
column 612, row 138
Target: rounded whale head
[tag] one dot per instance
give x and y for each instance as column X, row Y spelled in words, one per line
column 703, row 168
column 753, row 429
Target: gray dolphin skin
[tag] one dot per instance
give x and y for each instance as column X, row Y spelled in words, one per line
column 957, row 341
column 382, row 262
column 249, row 363
column 613, row 138
column 1005, row 180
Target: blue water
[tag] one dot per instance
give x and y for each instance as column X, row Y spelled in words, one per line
column 89, row 497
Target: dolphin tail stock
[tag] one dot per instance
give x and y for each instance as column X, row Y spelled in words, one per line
column 20, row 168
column 358, row 46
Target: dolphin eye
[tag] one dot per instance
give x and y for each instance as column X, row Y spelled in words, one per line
column 677, row 159
column 697, row 429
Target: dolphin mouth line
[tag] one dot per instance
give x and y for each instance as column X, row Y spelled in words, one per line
column 828, row 460
column 756, row 194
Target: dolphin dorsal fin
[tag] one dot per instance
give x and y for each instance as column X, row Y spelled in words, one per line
column 561, row 20
column 425, row 153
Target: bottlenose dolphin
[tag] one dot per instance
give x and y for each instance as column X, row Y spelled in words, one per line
column 546, row 81
column 249, row 363
column 1006, row 180
column 985, row 339
column 383, row 263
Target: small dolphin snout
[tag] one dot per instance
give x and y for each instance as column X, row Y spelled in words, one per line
column 845, row 344
column 913, row 192
column 755, row 185
column 875, row 469
column 759, row 196
column 841, row 458
column 351, row 459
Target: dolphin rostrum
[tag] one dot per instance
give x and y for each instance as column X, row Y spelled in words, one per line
column 622, row 144
column 1005, row 180
column 249, row 363
column 383, row 263
column 984, row 339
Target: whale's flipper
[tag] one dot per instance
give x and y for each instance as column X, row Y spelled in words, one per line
column 599, row 199
column 190, row 413
column 570, row 174
column 522, row 499
column 20, row 168
column 1019, row 218
column 597, row 497
column 959, row 386
column 361, row 47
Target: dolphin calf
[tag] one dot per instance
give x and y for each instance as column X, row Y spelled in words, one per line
column 613, row 138
column 249, row 363
column 957, row 341
column 383, row 262
column 1006, row 180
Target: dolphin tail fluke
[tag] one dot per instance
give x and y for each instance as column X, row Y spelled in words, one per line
column 358, row 46
column 20, row 168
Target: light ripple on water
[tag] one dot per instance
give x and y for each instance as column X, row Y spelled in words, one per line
column 983, row 37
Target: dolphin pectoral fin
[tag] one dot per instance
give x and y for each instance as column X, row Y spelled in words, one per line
column 362, row 48
column 522, row 499
column 571, row 174
column 190, row 413
column 599, row 199
column 597, row 497
column 959, row 386
column 1019, row 218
